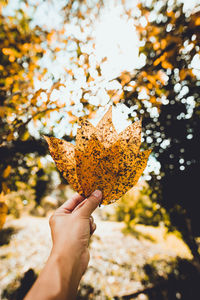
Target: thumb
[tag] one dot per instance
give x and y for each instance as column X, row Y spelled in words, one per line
column 90, row 204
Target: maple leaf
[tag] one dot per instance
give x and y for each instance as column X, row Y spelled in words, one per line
column 102, row 159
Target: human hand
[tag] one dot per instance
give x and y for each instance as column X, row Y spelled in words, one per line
column 71, row 227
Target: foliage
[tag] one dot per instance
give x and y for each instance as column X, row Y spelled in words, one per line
column 20, row 199
column 26, row 111
column 20, row 52
column 136, row 207
column 3, row 210
column 166, row 92
column 180, row 280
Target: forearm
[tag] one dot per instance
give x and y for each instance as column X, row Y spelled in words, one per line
column 58, row 280
column 71, row 229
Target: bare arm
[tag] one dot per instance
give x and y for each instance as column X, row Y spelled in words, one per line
column 71, row 228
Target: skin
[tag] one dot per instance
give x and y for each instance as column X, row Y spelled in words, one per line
column 71, row 228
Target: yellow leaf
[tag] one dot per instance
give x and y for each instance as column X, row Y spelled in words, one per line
column 9, row 81
column 156, row 45
column 197, row 22
column 5, row 188
column 26, row 46
column 106, row 130
column 7, row 171
column 102, row 158
column 84, row 132
column 125, row 78
column 3, row 213
column 163, row 44
column 11, row 58
column 167, row 65
column 160, row 59
column 25, row 136
column 3, row 210
column 63, row 154
column 10, row 137
column 7, row 51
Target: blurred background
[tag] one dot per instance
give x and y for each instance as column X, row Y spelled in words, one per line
column 62, row 59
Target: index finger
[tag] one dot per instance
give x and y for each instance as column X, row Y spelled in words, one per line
column 69, row 205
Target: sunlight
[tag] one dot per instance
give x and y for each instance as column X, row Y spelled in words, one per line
column 117, row 41
column 117, row 44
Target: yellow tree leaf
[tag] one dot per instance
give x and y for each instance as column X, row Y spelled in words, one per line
column 102, row 159
column 7, row 171
column 130, row 176
column 197, row 22
column 97, row 166
column 63, row 154
column 167, row 65
column 84, row 132
column 3, row 213
column 106, row 130
column 5, row 188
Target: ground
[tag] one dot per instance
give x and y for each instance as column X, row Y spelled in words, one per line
column 116, row 261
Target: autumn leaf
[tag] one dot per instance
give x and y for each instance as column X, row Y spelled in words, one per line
column 63, row 154
column 102, row 159
column 3, row 210
column 7, row 171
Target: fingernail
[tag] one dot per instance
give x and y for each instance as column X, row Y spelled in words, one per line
column 97, row 194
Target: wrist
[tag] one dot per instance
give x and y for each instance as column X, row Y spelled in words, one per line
column 68, row 265
column 66, row 276
column 57, row 280
column 65, row 255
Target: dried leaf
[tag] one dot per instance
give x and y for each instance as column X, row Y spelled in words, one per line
column 7, row 171
column 96, row 166
column 106, row 130
column 129, row 176
column 84, row 132
column 102, row 159
column 63, row 154
column 87, row 165
column 3, row 214
column 3, row 210
column 132, row 133
column 130, row 140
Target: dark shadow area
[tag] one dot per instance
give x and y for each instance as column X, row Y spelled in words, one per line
column 18, row 289
column 25, row 283
column 183, row 282
column 6, row 234
column 87, row 292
